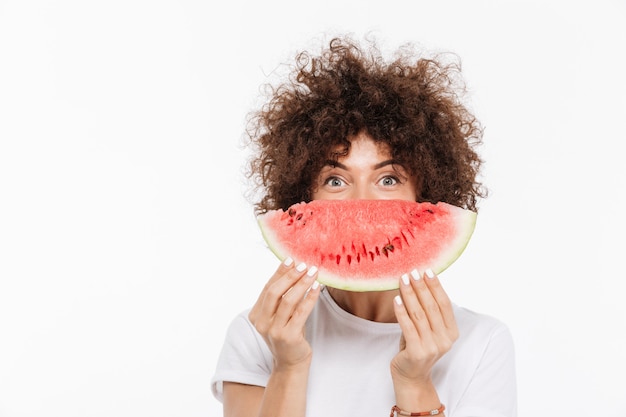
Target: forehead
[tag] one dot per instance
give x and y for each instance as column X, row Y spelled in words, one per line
column 360, row 145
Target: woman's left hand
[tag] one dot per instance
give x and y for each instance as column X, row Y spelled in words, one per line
column 429, row 328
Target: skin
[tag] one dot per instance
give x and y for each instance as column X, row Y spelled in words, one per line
column 420, row 306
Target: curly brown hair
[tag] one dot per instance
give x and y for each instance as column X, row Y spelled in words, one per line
column 411, row 103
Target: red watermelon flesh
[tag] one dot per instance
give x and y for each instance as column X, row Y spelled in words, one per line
column 366, row 245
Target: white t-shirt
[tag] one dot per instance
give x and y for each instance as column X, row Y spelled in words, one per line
column 350, row 373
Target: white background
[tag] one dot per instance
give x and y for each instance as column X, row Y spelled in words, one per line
column 126, row 245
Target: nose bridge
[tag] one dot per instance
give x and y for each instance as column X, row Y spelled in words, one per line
column 362, row 190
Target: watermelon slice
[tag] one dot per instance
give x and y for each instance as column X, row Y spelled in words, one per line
column 366, row 245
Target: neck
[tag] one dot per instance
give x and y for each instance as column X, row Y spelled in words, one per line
column 372, row 306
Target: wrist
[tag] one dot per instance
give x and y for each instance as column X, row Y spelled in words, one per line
column 301, row 367
column 397, row 411
column 416, row 395
column 404, row 386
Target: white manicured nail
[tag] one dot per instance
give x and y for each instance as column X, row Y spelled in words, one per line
column 405, row 279
column 288, row 261
column 315, row 285
column 415, row 274
column 301, row 267
column 398, row 300
column 312, row 270
column 430, row 274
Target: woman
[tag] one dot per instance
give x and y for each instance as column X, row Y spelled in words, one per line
column 350, row 125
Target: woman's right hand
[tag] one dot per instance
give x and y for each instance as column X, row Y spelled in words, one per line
column 281, row 311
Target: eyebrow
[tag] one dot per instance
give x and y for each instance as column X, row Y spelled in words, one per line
column 377, row 166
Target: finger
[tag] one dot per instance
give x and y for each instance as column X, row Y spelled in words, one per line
column 275, row 291
column 410, row 335
column 414, row 309
column 292, row 299
column 304, row 308
column 269, row 299
column 280, row 272
column 442, row 299
column 427, row 301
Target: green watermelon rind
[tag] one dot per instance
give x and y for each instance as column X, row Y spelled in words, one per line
column 465, row 220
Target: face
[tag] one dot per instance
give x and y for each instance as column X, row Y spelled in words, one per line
column 367, row 172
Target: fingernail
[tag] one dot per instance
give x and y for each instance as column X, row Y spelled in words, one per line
column 315, row 285
column 405, row 279
column 301, row 267
column 430, row 274
column 288, row 261
column 312, row 270
column 415, row 274
column 398, row 300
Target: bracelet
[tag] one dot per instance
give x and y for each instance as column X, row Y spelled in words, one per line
column 396, row 411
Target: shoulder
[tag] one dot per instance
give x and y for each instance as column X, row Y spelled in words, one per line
column 240, row 322
column 482, row 331
column 241, row 327
column 472, row 321
column 242, row 338
column 244, row 357
column 481, row 362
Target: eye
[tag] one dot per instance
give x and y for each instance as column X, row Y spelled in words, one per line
column 389, row 181
column 334, row 182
